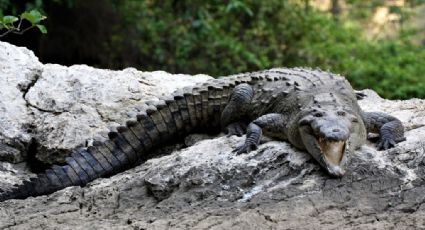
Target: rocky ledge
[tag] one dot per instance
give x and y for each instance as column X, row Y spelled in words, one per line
column 46, row 110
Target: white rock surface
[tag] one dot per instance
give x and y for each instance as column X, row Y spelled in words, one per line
column 206, row 186
column 18, row 70
column 65, row 107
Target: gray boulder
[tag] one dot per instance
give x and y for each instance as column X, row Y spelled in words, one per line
column 203, row 185
column 46, row 110
column 19, row 69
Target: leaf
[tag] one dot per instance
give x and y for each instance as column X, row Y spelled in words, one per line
column 34, row 16
column 9, row 19
column 42, row 29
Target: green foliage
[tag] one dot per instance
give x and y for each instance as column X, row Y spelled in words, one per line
column 13, row 7
column 221, row 38
column 391, row 67
column 232, row 36
column 9, row 20
column 12, row 24
column 209, row 36
column 33, row 16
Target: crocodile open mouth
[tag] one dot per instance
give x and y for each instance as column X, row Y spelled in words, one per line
column 333, row 151
column 330, row 152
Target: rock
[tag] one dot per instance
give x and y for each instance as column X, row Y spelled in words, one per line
column 13, row 174
column 81, row 102
column 61, row 108
column 19, row 69
column 205, row 185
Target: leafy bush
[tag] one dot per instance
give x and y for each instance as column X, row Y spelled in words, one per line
column 221, row 38
column 393, row 68
column 226, row 37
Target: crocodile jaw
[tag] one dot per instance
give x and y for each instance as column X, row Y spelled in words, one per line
column 330, row 154
column 332, row 151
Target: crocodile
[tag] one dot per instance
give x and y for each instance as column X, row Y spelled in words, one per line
column 314, row 110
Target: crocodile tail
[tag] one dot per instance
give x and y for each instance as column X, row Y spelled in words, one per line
column 81, row 167
column 154, row 124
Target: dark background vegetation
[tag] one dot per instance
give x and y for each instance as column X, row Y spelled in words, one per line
column 231, row 36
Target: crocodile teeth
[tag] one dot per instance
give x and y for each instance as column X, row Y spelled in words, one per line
column 332, row 150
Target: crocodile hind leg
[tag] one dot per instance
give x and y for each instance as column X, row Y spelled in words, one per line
column 390, row 129
column 233, row 117
column 273, row 125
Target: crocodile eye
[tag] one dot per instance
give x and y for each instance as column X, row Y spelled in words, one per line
column 340, row 113
column 318, row 115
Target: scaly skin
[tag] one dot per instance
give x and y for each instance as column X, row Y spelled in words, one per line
column 313, row 110
column 288, row 104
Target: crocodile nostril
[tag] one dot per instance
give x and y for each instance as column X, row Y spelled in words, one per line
column 335, row 130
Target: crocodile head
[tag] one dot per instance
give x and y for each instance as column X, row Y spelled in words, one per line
column 327, row 134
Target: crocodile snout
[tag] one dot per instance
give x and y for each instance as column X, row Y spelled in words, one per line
column 332, row 132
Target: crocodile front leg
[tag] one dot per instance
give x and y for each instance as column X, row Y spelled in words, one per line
column 233, row 117
column 390, row 129
column 272, row 124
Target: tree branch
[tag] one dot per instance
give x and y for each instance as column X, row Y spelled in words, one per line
column 17, row 30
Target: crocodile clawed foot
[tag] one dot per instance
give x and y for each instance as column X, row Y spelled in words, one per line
column 384, row 144
column 245, row 148
column 388, row 142
column 236, row 128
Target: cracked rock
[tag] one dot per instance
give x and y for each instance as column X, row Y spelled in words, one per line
column 66, row 107
column 19, row 68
